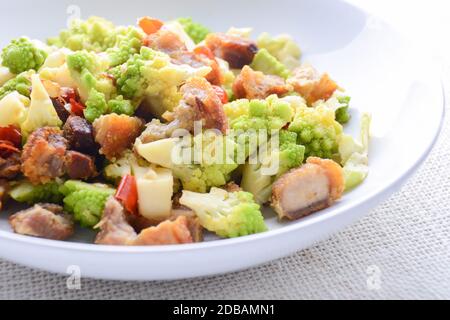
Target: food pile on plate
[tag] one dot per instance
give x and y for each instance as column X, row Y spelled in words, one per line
column 156, row 133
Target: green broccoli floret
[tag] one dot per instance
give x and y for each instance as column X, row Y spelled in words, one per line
column 196, row 31
column 22, row 55
column 121, row 106
column 268, row 64
column 129, row 77
column 94, row 34
column 96, row 106
column 87, row 69
column 281, row 47
column 86, row 201
column 270, row 114
column 258, row 178
column 228, row 214
column 21, row 83
column 342, row 114
column 128, row 44
column 317, row 130
column 26, row 192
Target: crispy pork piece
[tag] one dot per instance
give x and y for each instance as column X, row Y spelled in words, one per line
column 80, row 135
column 116, row 133
column 62, row 108
column 4, row 186
column 197, row 61
column 311, row 85
column 166, row 41
column 200, row 103
column 312, row 187
column 165, row 233
column 205, row 104
column 80, row 166
column 193, row 223
column 114, row 227
column 43, row 157
column 44, row 221
column 9, row 166
column 237, row 51
column 232, row 187
column 252, row 84
column 116, row 230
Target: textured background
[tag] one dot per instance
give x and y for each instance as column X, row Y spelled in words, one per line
column 399, row 250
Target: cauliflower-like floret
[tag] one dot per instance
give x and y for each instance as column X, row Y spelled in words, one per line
column 56, row 70
column 21, row 83
column 228, row 214
column 281, row 47
column 13, row 109
column 41, row 112
column 86, row 201
column 258, row 178
column 268, row 64
column 196, row 31
column 94, row 34
column 317, row 130
column 22, row 55
column 355, row 155
column 29, row 193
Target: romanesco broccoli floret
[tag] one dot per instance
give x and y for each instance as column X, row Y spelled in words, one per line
column 26, row 192
column 128, row 164
column 268, row 64
column 87, row 68
column 211, row 165
column 342, row 113
column 228, row 214
column 128, row 43
column 94, row 34
column 317, row 130
column 22, row 55
column 120, row 105
column 275, row 161
column 96, row 106
column 269, row 114
column 281, row 47
column 21, row 83
column 196, row 31
column 85, row 201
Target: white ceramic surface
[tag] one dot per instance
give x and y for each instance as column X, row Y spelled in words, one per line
column 383, row 73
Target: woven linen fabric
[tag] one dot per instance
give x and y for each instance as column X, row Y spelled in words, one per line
column 400, row 250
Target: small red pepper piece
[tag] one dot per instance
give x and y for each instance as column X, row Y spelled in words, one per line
column 76, row 107
column 150, row 25
column 6, row 149
column 205, row 51
column 127, row 194
column 221, row 93
column 11, row 134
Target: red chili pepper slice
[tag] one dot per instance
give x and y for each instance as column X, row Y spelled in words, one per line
column 76, row 107
column 222, row 94
column 11, row 134
column 127, row 194
column 6, row 149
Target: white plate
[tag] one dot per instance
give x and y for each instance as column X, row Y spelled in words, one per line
column 381, row 71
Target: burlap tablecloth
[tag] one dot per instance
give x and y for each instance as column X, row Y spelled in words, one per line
column 399, row 250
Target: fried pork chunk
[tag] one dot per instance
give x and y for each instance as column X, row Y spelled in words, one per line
column 115, row 229
column 43, row 157
column 200, row 103
column 9, row 165
column 44, row 221
column 314, row 186
column 252, row 84
column 166, row 41
column 80, row 166
column 311, row 85
column 3, row 192
column 116, row 133
column 237, row 51
column 196, row 60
